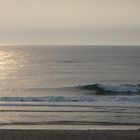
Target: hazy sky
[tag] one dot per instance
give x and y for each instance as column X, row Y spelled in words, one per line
column 70, row 22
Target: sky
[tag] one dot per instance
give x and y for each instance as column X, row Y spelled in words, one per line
column 101, row 22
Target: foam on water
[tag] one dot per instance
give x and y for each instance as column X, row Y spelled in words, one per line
column 71, row 99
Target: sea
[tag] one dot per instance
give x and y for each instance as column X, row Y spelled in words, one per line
column 69, row 85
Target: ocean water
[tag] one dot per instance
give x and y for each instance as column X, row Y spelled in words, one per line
column 84, row 85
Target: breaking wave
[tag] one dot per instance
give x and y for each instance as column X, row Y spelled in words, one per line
column 96, row 88
column 104, row 89
column 113, row 88
column 108, row 92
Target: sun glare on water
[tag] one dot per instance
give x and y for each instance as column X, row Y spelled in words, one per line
column 11, row 62
column 7, row 63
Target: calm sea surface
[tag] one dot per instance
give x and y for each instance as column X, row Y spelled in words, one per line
column 69, row 84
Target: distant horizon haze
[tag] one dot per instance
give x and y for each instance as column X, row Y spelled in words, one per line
column 110, row 22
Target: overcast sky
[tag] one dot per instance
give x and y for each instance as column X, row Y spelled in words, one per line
column 70, row 22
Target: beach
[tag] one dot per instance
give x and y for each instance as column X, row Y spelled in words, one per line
column 69, row 70
column 24, row 134
column 69, row 92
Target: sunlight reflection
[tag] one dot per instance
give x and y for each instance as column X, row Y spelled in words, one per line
column 10, row 63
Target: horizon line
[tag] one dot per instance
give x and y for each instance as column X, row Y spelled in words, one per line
column 21, row 44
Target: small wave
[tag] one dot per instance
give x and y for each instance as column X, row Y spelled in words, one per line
column 49, row 99
column 71, row 99
column 113, row 88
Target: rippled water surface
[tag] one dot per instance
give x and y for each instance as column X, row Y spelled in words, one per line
column 36, row 78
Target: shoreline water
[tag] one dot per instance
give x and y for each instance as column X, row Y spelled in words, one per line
column 70, row 127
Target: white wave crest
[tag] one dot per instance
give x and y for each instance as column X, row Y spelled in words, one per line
column 120, row 88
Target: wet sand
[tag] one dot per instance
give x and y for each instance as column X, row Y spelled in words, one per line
column 24, row 134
